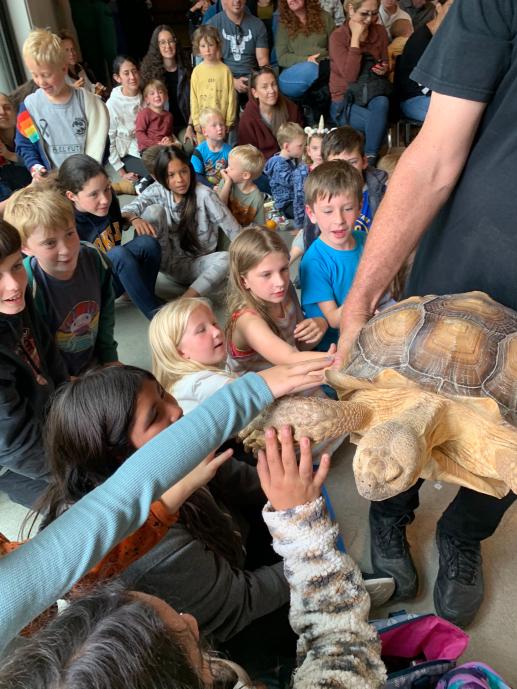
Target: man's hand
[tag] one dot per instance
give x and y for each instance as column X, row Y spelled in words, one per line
column 240, row 84
column 313, row 58
column 351, row 325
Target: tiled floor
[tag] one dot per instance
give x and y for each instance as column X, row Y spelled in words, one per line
column 493, row 636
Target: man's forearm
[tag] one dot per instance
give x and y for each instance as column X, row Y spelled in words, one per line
column 423, row 180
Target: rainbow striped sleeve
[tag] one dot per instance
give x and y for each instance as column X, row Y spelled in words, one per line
column 26, row 126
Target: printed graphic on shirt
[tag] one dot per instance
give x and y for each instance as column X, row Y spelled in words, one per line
column 79, row 129
column 78, row 332
column 109, row 237
column 238, row 43
column 364, row 220
column 28, row 351
column 213, row 169
column 244, row 214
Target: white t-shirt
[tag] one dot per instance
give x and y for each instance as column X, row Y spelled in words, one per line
column 195, row 388
column 387, row 19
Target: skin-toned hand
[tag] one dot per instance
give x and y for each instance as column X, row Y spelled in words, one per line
column 348, row 335
column 99, row 89
column 241, row 84
column 226, row 176
column 287, row 379
column 39, row 174
column 311, row 330
column 197, row 478
column 286, row 483
column 313, row 58
column 190, row 135
column 357, row 29
column 130, row 176
column 143, row 227
column 79, row 83
column 167, row 141
column 380, row 69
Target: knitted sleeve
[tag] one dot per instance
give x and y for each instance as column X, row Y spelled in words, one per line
column 329, row 603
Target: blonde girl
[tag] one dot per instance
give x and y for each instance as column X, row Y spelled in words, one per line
column 188, row 351
column 266, row 324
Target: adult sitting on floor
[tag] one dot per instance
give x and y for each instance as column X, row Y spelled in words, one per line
column 265, row 111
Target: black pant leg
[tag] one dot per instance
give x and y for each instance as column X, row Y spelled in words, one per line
column 474, row 516
column 400, row 505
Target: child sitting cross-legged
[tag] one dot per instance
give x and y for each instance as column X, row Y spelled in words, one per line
column 154, row 123
column 280, row 167
column 243, row 198
column 135, row 263
column 71, row 283
column 333, row 195
column 211, row 155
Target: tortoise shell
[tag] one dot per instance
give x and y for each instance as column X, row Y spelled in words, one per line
column 461, row 344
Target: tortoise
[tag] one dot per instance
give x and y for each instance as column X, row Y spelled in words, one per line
column 429, row 390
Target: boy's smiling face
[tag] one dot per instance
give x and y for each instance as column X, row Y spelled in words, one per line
column 13, row 281
column 49, row 78
column 335, row 218
column 56, row 250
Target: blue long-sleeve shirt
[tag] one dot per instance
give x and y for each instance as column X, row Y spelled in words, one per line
column 47, row 566
column 279, row 171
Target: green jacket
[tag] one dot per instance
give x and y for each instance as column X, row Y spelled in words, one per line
column 290, row 50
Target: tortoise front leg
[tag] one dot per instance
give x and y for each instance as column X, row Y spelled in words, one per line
column 390, row 456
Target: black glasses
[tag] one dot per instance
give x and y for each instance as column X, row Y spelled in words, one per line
column 239, row 34
column 365, row 13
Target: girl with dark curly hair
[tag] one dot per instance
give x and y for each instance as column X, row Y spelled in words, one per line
column 164, row 61
column 302, row 41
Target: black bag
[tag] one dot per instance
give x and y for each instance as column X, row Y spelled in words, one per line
column 368, row 84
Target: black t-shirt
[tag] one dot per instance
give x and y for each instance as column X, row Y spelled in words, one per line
column 472, row 243
column 415, row 47
column 171, row 82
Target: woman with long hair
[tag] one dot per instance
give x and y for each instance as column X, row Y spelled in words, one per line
column 186, row 217
column 359, row 39
column 165, row 61
column 265, row 111
column 302, row 42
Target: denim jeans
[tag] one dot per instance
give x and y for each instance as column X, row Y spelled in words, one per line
column 296, row 80
column 135, row 267
column 371, row 120
column 415, row 108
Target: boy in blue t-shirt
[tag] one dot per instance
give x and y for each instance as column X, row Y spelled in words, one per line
column 211, row 155
column 333, row 194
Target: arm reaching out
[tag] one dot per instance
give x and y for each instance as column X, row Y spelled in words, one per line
column 329, row 604
column 428, row 171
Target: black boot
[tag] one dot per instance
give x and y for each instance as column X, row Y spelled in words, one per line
column 458, row 590
column 390, row 552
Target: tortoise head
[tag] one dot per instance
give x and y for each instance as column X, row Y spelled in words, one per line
column 388, row 460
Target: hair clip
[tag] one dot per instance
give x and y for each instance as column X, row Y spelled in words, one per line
column 320, row 129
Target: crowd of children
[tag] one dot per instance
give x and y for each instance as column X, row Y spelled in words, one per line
column 80, row 429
